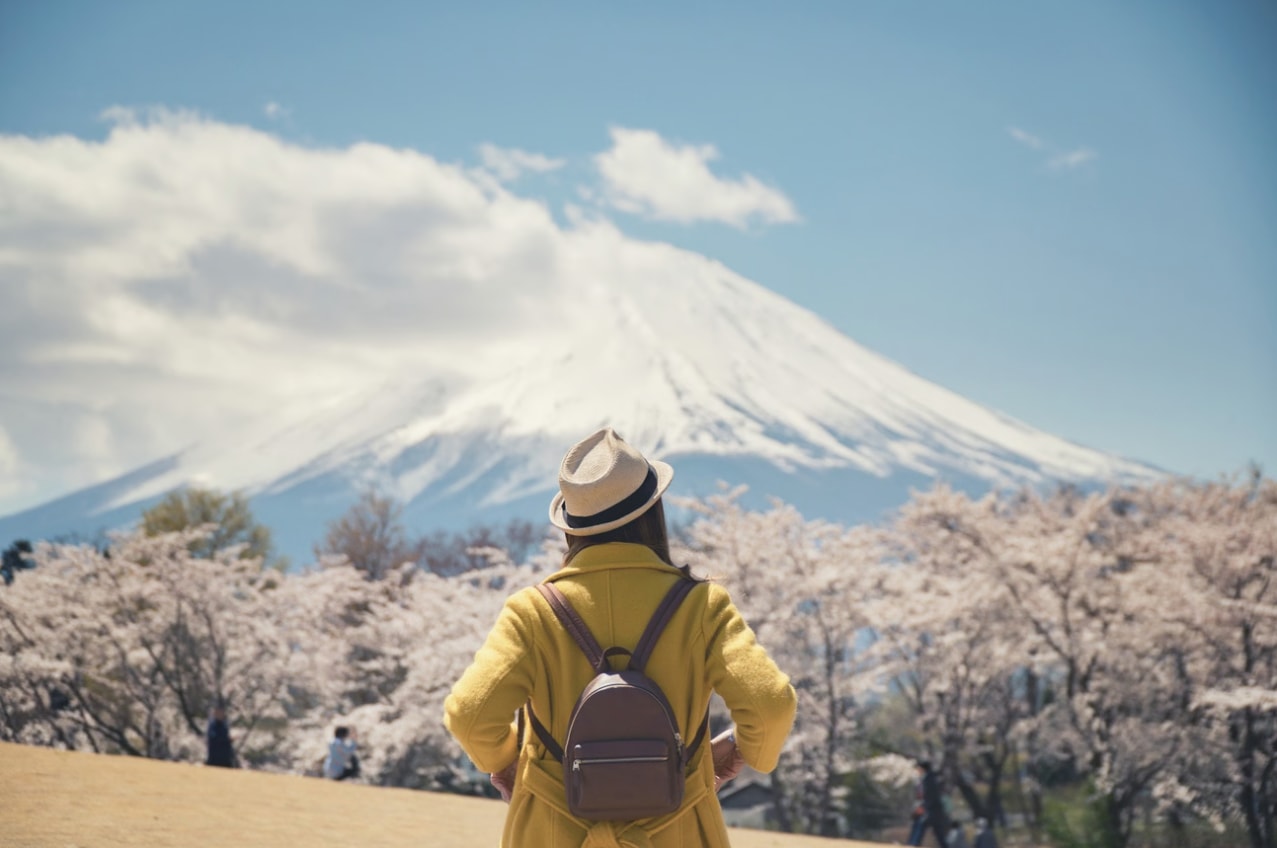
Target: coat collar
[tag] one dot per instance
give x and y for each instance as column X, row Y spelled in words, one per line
column 611, row 556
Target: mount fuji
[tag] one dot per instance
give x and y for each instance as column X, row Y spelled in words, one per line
column 714, row 373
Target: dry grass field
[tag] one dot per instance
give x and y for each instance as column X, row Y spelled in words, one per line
column 56, row 799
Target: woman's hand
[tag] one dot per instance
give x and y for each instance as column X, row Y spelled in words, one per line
column 504, row 780
column 727, row 757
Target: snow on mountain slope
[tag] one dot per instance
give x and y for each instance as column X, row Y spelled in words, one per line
column 710, row 365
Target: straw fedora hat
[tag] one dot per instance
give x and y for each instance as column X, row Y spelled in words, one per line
column 605, row 483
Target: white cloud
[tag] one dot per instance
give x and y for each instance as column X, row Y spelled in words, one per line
column 182, row 276
column 1027, row 139
column 184, row 273
column 9, row 465
column 647, row 175
column 1073, row 158
column 1057, row 159
column 510, row 163
column 275, row 111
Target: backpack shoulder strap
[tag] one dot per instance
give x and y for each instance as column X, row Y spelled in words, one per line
column 547, row 739
column 701, row 732
column 584, row 639
column 673, row 599
column 659, row 619
column 576, row 628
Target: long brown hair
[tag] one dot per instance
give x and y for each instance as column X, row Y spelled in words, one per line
column 648, row 529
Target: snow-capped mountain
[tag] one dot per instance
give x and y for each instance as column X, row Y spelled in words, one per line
column 716, row 374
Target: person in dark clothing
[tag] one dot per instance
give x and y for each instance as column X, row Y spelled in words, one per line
column 918, row 818
column 220, row 752
column 932, row 807
column 984, row 837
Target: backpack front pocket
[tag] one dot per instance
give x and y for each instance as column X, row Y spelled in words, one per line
column 624, row 779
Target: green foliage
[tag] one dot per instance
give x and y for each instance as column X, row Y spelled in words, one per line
column 1080, row 820
column 17, row 557
column 890, row 725
column 869, row 806
column 229, row 516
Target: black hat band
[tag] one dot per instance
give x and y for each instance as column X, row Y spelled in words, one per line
column 635, row 500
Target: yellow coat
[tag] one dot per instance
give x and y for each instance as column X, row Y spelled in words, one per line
column 707, row 646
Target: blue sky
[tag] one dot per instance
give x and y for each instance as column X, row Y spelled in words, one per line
column 1065, row 211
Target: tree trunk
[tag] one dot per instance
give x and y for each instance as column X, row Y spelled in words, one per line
column 780, row 804
column 1115, row 810
column 1250, row 809
column 970, row 794
column 993, row 800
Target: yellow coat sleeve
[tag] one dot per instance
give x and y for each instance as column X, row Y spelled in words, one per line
column 757, row 692
column 479, row 712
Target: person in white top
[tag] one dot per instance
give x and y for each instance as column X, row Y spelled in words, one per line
column 342, row 761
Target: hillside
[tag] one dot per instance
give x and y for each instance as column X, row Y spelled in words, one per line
column 58, row 799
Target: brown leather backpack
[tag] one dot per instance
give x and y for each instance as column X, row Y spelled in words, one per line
column 624, row 753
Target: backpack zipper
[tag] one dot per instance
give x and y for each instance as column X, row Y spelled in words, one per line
column 577, row 762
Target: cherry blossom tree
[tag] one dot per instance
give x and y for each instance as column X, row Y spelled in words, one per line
column 1130, row 633
column 125, row 651
column 1090, row 599
column 381, row 655
column 1212, row 603
column 944, row 640
column 802, row 586
column 1062, row 561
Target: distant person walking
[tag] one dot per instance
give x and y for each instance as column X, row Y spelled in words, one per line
column 918, row 817
column 927, row 791
column 342, row 762
column 220, row 752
